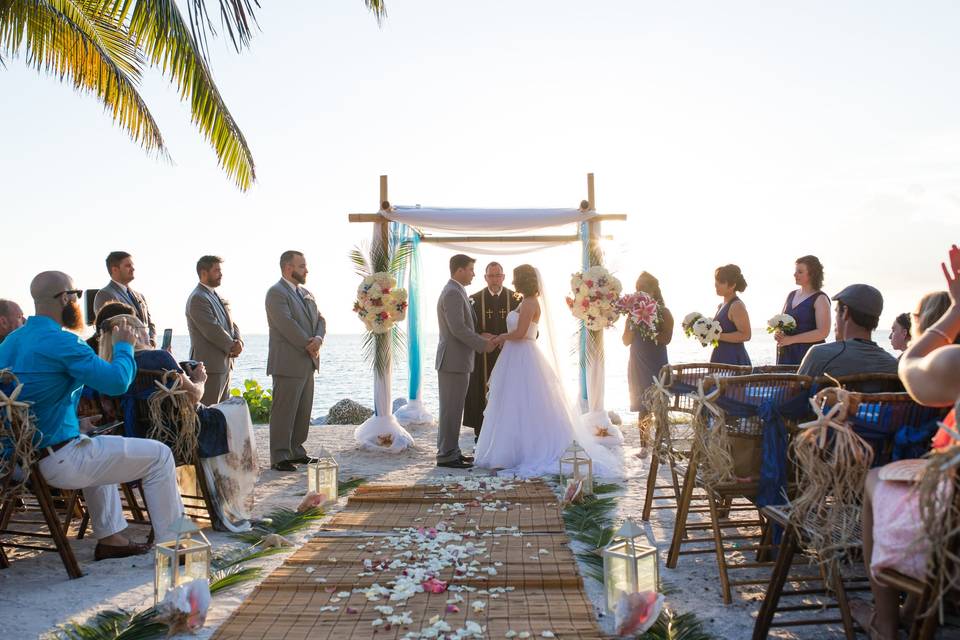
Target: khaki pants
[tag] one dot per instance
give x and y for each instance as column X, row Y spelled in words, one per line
column 290, row 417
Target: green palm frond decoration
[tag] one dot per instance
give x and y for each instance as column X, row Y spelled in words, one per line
column 115, row 625
column 230, row 559
column 231, row 577
column 281, row 521
column 670, row 626
column 601, row 488
column 347, row 486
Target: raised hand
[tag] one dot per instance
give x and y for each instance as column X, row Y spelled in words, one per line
column 952, row 274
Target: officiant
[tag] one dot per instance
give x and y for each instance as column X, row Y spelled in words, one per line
column 490, row 306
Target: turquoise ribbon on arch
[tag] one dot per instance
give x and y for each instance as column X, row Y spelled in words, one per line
column 400, row 233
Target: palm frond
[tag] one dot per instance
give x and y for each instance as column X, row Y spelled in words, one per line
column 281, row 521
column 601, row 488
column 75, row 41
column 361, row 265
column 670, row 626
column 378, row 8
column 400, row 257
column 347, row 486
column 115, row 625
column 232, row 576
column 236, row 16
column 231, row 559
column 594, row 568
column 158, row 29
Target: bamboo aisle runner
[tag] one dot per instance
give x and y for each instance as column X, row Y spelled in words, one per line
column 500, row 546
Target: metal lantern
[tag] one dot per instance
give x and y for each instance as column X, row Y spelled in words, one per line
column 323, row 476
column 576, row 464
column 629, row 564
column 180, row 560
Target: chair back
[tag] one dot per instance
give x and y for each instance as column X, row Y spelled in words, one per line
column 19, row 437
column 776, row 368
column 864, row 383
column 683, row 379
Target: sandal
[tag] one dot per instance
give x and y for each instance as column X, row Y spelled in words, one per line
column 865, row 615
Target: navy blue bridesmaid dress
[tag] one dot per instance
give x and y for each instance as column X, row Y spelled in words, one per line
column 805, row 314
column 729, row 352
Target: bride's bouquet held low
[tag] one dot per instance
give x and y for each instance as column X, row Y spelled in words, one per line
column 380, row 303
column 643, row 313
column 706, row 330
column 594, row 296
column 782, row 322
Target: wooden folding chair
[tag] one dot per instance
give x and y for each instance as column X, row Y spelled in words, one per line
column 734, row 489
column 875, row 417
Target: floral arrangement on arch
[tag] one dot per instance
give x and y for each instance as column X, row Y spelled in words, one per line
column 595, row 293
column 380, row 303
column 643, row 313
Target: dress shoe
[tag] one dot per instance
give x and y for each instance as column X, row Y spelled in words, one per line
column 284, row 465
column 107, row 551
column 460, row 463
column 303, row 460
column 466, row 458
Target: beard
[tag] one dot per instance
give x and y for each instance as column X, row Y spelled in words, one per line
column 299, row 278
column 72, row 317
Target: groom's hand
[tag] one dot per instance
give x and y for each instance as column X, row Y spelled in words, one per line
column 490, row 346
column 487, row 336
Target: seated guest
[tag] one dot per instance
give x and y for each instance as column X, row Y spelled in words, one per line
column 809, row 307
column 858, row 313
column 900, row 332
column 11, row 318
column 120, row 268
column 732, row 315
column 53, row 365
column 891, row 518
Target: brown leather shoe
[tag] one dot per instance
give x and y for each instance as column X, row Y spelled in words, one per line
column 107, row 551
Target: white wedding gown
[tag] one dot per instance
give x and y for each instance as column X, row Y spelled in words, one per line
column 527, row 424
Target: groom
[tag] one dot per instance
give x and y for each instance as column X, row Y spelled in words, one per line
column 458, row 342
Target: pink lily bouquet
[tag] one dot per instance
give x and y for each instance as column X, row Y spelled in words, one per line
column 380, row 303
column 643, row 313
column 594, row 297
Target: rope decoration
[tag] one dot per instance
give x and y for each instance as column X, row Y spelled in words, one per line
column 940, row 515
column 832, row 461
column 173, row 417
column 18, row 438
column 710, row 437
column 658, row 398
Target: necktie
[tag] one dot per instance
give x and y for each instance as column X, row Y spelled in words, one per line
column 136, row 304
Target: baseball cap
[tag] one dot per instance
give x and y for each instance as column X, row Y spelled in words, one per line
column 862, row 298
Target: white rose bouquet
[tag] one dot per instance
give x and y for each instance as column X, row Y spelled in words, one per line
column 380, row 303
column 707, row 331
column 594, row 296
column 782, row 322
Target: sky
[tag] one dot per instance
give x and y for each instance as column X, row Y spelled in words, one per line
column 736, row 132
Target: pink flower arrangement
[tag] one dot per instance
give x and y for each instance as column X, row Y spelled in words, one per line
column 636, row 612
column 643, row 313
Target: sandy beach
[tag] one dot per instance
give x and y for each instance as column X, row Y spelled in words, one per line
column 36, row 596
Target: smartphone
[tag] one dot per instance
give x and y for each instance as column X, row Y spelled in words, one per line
column 167, row 339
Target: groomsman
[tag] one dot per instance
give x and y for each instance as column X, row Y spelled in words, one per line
column 491, row 306
column 120, row 268
column 214, row 337
column 296, row 334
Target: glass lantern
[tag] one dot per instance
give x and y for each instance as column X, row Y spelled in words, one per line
column 576, row 464
column 629, row 564
column 180, row 560
column 322, row 477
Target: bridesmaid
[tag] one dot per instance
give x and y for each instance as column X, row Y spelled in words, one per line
column 733, row 317
column 810, row 307
column 646, row 356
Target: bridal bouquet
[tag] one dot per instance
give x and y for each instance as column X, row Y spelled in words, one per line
column 594, row 298
column 380, row 304
column 781, row 322
column 643, row 312
column 707, row 331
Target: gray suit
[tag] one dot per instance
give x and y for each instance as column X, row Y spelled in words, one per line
column 455, row 351
column 212, row 332
column 293, row 320
column 112, row 292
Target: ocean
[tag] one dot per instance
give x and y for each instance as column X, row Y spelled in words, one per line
column 344, row 373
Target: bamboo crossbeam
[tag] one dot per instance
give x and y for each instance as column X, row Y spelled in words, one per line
column 557, row 239
column 376, row 217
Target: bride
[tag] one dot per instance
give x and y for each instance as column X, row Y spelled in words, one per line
column 528, row 424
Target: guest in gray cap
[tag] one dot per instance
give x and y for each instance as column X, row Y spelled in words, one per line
column 858, row 313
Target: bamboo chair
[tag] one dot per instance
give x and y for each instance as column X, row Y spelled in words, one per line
column 731, row 480
column 676, row 383
column 875, row 418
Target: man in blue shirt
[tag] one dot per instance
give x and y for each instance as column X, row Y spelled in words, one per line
column 54, row 365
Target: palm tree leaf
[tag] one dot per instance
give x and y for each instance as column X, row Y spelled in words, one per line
column 347, row 486
column 157, row 27
column 115, row 625
column 226, row 578
column 281, row 521
column 236, row 16
column 670, row 626
column 378, row 8
column 74, row 41
column 226, row 560
column 361, row 265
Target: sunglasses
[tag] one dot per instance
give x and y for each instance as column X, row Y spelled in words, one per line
column 77, row 293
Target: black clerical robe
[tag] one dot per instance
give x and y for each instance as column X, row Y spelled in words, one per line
column 491, row 317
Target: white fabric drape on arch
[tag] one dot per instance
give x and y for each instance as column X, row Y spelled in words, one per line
column 493, row 222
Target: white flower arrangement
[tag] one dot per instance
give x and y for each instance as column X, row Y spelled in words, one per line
column 707, row 331
column 380, row 303
column 783, row 322
column 594, row 296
